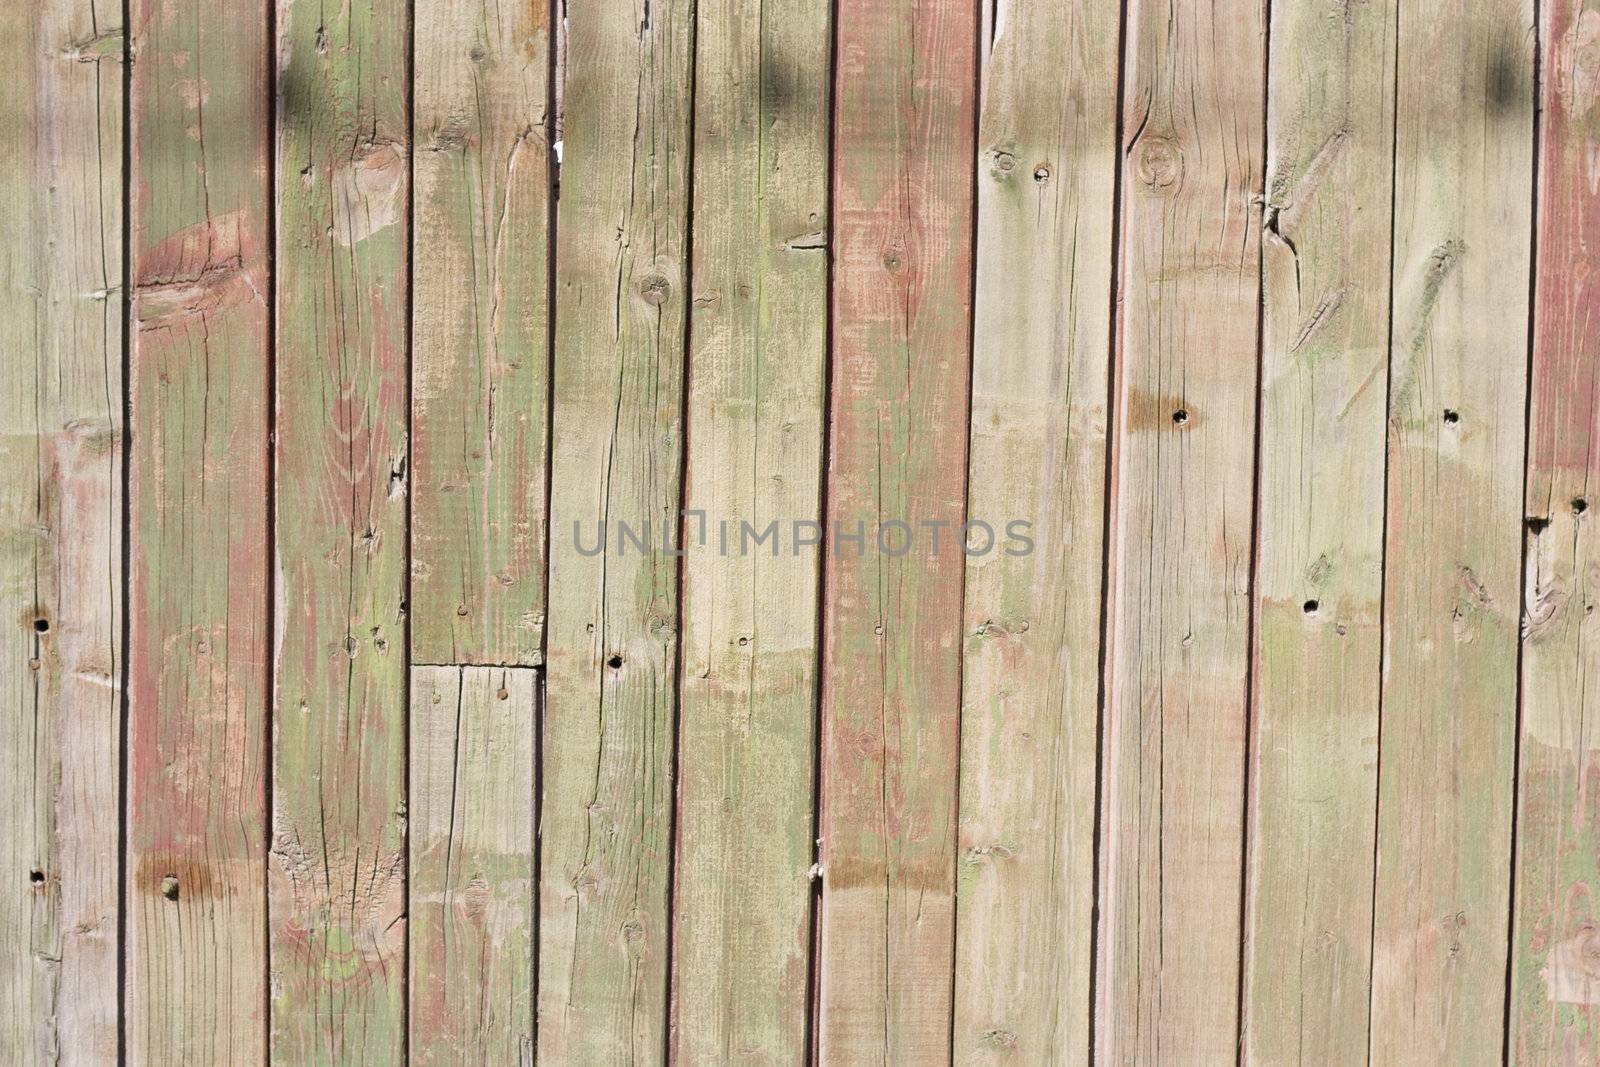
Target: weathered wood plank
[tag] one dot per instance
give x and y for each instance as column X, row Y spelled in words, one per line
column 336, row 880
column 1458, row 380
column 199, row 627
column 1555, row 980
column 621, row 300
column 905, row 91
column 757, row 380
column 1030, row 701
column 1319, row 588
column 1181, row 543
column 480, row 315
column 61, row 141
column 473, row 747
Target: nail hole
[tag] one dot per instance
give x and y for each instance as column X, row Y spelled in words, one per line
column 1041, row 174
column 1451, row 416
column 1311, row 607
column 36, row 876
column 1537, row 525
column 614, row 662
column 169, row 887
column 743, row 641
column 1579, row 506
column 41, row 626
column 1180, row 416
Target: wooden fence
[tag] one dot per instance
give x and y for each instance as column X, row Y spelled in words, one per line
column 784, row 531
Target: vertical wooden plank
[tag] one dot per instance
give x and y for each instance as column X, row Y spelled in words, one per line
column 1030, row 701
column 1319, row 590
column 1458, row 381
column 1179, row 614
column 1555, row 981
column 621, row 298
column 337, row 895
column 473, row 737
column 757, row 377
column 61, row 143
column 480, row 317
column 200, row 631
column 905, row 92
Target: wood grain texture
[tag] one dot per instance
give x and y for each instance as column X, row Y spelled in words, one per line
column 1555, row 979
column 1179, row 615
column 621, row 301
column 1030, row 699
column 1458, row 379
column 1319, row 589
column 757, row 380
column 905, row 93
column 481, row 320
column 200, row 630
column 474, row 737
column 338, row 858
column 61, row 457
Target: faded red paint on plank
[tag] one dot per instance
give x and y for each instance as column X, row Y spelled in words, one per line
column 1555, row 1008
column 200, row 631
column 903, row 172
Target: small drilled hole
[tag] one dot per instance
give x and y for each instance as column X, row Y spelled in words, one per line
column 1180, row 416
column 615, row 662
column 36, row 876
column 41, row 626
column 1579, row 506
column 1041, row 174
column 1451, row 416
column 1311, row 607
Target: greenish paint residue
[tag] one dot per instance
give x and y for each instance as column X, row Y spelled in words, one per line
column 480, row 323
column 758, row 351
column 338, row 859
column 473, row 748
column 1319, row 583
column 1454, row 551
column 621, row 304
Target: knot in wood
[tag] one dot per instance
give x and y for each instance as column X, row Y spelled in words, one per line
column 1160, row 163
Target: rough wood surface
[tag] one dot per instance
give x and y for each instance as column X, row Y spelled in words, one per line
column 338, row 857
column 61, row 531
column 757, row 380
column 1180, row 555
column 200, row 633
column 612, row 644
column 1556, row 941
column 1032, row 630
column 1458, row 380
column 473, row 749
column 902, row 186
column 480, row 351
column 1319, row 588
